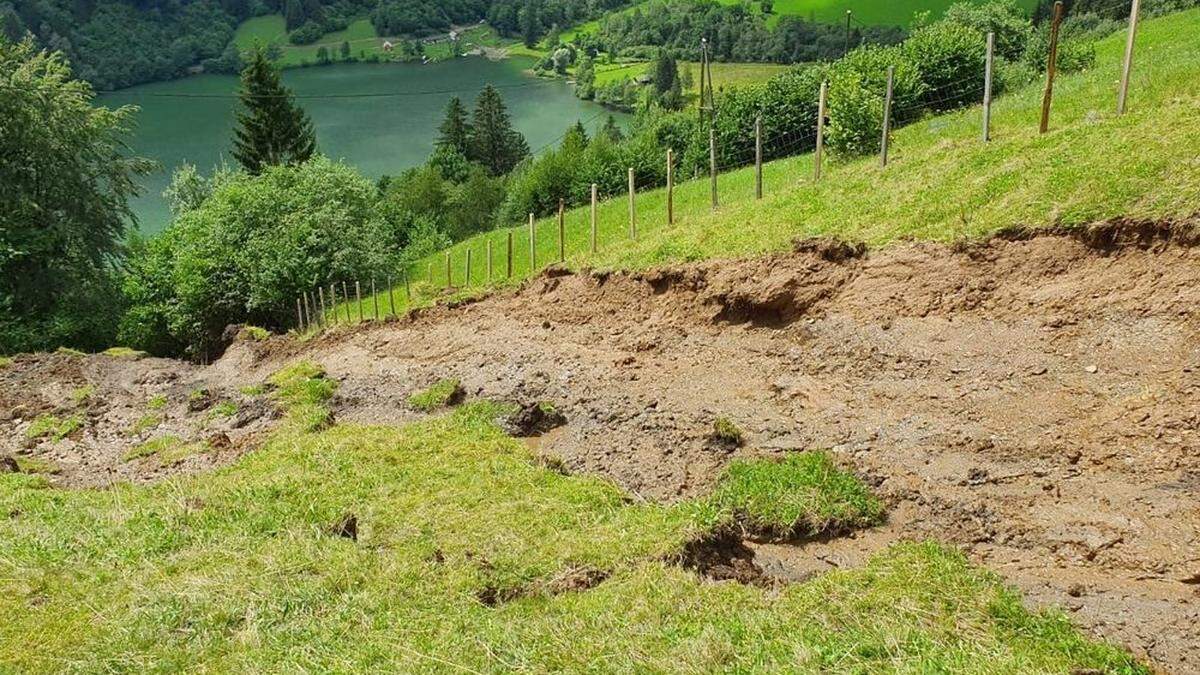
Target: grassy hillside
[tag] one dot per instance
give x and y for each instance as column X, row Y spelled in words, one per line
column 724, row 75
column 364, row 40
column 463, row 554
column 943, row 183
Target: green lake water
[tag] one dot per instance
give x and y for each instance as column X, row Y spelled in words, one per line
column 381, row 118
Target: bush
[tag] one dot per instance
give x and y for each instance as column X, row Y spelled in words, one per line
column 249, row 249
column 951, row 58
column 857, row 92
column 307, row 34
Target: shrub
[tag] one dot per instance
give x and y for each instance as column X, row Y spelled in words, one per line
column 857, row 91
column 249, row 249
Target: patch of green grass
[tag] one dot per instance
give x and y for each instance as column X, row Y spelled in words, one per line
column 440, row 395
column 82, row 394
column 304, row 391
column 254, row 390
column 157, row 402
column 54, row 428
column 255, row 333
column 237, row 570
column 68, row 351
column 166, row 450
column 803, row 494
column 144, row 424
column 35, row 465
column 224, row 409
column 5, row 361
column 725, row 431
column 942, row 183
column 124, row 353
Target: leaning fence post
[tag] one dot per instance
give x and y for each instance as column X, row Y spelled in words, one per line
column 887, row 117
column 562, row 244
column 632, row 207
column 988, row 68
column 712, row 163
column 670, row 187
column 489, row 261
column 595, row 204
column 820, row 151
column 467, row 271
column 346, row 295
column 358, row 299
column 758, row 157
column 1127, row 65
column 532, row 246
column 1051, row 66
column 509, row 260
column 299, row 315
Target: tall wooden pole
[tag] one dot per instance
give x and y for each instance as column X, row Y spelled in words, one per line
column 489, row 261
column 508, row 265
column 817, row 155
column 988, row 67
column 1051, row 66
column 1127, row 66
column 358, row 299
column 532, row 246
column 846, row 49
column 712, row 163
column 324, row 314
column 670, row 187
column 346, row 296
column 595, row 206
column 632, row 206
column 374, row 297
column 887, row 117
column 703, row 68
column 758, row 157
column 562, row 234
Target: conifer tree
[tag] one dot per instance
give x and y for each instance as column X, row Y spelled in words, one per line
column 455, row 131
column 271, row 129
column 494, row 143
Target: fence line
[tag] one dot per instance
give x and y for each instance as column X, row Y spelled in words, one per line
column 313, row 312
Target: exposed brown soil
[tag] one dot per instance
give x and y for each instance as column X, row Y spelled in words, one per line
column 1032, row 399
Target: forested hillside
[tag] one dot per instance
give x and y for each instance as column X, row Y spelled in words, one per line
column 119, row 43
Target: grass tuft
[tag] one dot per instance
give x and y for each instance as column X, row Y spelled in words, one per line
column 304, row 391
column 166, row 450
column 726, row 432
column 801, row 495
column 144, row 424
column 124, row 353
column 443, row 393
column 157, row 402
column 83, row 394
column 68, row 351
column 255, row 334
column 5, row 361
column 54, row 428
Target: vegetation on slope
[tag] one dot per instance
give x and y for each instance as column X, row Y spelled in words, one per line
column 943, row 183
column 444, row 546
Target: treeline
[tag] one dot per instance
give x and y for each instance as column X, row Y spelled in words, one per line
column 735, row 33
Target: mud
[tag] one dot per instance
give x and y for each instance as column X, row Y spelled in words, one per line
column 1031, row 399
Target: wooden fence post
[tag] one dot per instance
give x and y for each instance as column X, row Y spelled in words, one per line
column 887, row 117
column 562, row 243
column 299, row 315
column 489, row 261
column 467, row 271
column 532, row 246
column 324, row 313
column 1051, row 66
column 449, row 278
column 375, row 297
column 712, row 163
column 358, row 299
column 670, row 187
column 989, row 64
column 308, row 316
column 346, row 295
column 758, row 157
column 509, row 260
column 333, row 303
column 632, row 207
column 595, row 205
column 391, row 296
column 820, row 151
column 1127, row 64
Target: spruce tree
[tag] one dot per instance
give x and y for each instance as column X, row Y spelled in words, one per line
column 455, row 131
column 611, row 131
column 494, row 143
column 272, row 129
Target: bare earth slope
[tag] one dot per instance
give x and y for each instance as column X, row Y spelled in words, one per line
column 1035, row 400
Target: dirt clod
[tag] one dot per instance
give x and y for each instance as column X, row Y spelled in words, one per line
column 533, row 419
column 722, row 557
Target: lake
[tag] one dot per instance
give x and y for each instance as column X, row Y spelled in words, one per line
column 382, row 118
